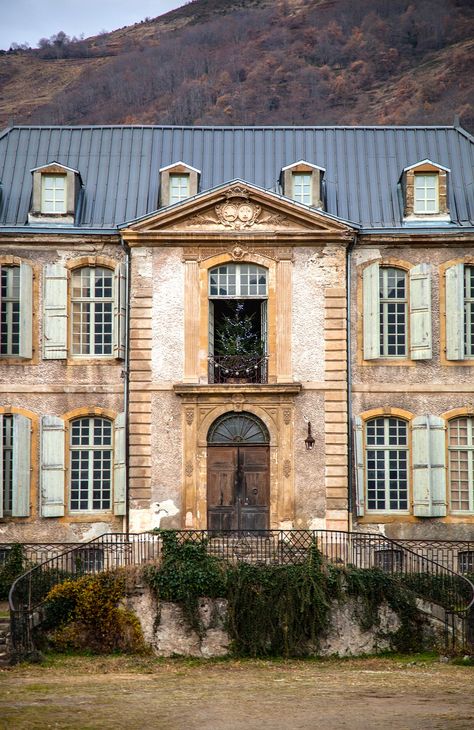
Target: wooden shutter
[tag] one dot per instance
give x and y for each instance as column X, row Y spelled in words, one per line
column 26, row 311
column 55, row 312
column 429, row 473
column 21, row 472
column 359, row 465
column 211, row 327
column 420, row 313
column 52, row 466
column 120, row 310
column 120, row 487
column 371, row 312
column 455, row 312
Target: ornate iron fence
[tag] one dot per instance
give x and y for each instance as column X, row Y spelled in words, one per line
column 429, row 580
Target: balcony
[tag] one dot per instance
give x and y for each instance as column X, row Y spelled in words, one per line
column 238, row 369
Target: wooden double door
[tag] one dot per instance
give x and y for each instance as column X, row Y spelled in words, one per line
column 238, row 487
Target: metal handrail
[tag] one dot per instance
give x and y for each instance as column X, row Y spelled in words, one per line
column 431, row 581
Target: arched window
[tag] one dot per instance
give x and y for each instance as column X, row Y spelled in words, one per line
column 386, row 464
column 238, row 428
column 92, row 299
column 461, row 463
column 238, row 280
column 91, row 462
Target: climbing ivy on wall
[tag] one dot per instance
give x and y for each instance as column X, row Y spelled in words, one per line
column 278, row 610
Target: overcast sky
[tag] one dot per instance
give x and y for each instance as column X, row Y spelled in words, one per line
column 26, row 21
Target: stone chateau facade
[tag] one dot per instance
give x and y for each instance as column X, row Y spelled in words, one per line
column 130, row 256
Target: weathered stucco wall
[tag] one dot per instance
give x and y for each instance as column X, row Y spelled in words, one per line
column 310, row 492
column 168, row 315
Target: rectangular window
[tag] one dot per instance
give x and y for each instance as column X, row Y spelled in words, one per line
column 387, row 465
column 302, row 187
column 92, row 311
column 91, row 464
column 179, row 187
column 393, row 312
column 426, row 199
column 10, row 311
column 461, row 465
column 469, row 311
column 53, row 194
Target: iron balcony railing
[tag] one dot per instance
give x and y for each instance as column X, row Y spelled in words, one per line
column 238, row 368
column 428, row 580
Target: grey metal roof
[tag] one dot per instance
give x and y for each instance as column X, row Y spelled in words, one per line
column 119, row 166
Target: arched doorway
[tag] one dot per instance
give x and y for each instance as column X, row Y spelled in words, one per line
column 238, row 483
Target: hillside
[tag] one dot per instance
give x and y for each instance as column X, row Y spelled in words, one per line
column 256, row 62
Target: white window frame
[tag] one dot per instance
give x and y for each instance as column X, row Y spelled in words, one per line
column 302, row 187
column 87, row 309
column 468, row 288
column 400, row 315
column 9, row 318
column 235, row 280
column 468, row 464
column 53, row 197
column 179, row 187
column 79, row 464
column 385, row 448
column 424, row 184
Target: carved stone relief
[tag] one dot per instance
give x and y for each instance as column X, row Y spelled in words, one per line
column 287, row 415
column 188, row 469
column 286, row 468
column 189, row 416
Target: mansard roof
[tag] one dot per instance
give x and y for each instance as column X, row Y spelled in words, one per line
column 119, row 166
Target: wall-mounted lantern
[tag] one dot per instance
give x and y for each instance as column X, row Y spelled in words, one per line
column 309, row 440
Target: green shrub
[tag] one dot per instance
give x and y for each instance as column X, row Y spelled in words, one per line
column 14, row 565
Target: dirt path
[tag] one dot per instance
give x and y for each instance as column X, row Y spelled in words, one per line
column 116, row 692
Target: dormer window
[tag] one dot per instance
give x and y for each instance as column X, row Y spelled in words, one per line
column 302, row 182
column 178, row 182
column 55, row 197
column 426, row 198
column 179, row 187
column 425, row 192
column 53, row 194
column 302, row 187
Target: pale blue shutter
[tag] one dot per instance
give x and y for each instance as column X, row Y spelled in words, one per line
column 120, row 310
column 1, row 465
column 52, row 466
column 371, row 312
column 120, row 487
column 359, row 465
column 429, row 462
column 55, row 312
column 26, row 311
column 420, row 312
column 21, row 472
column 455, row 312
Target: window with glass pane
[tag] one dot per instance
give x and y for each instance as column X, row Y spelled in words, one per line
column 302, row 184
column 393, row 312
column 53, row 194
column 238, row 280
column 426, row 193
column 387, row 465
column 7, row 464
column 469, row 311
column 91, row 464
column 92, row 311
column 179, row 188
column 461, row 449
column 10, row 311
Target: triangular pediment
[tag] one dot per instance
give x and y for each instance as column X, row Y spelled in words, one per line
column 238, row 208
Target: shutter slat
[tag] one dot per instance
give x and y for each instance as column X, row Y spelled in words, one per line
column 120, row 490
column 371, row 312
column 26, row 311
column 420, row 312
column 52, row 466
column 429, row 473
column 55, row 312
column 359, row 465
column 455, row 312
column 21, row 471
column 120, row 310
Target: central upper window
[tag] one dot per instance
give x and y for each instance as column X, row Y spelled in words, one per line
column 238, row 280
column 179, row 187
column 303, row 187
column 426, row 199
column 53, row 194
